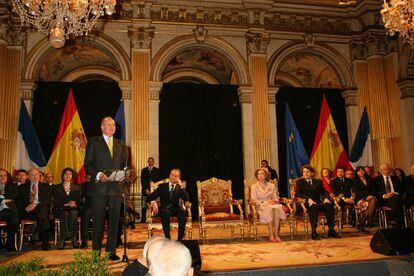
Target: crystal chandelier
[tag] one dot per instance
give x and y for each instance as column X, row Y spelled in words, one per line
column 61, row 19
column 398, row 17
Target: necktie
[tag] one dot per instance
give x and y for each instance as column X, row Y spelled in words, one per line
column 387, row 185
column 110, row 146
column 33, row 193
column 172, row 190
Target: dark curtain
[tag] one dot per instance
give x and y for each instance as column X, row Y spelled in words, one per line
column 305, row 105
column 200, row 133
column 94, row 100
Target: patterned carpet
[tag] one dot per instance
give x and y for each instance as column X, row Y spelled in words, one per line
column 225, row 251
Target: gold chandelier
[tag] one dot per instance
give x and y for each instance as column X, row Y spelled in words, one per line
column 61, row 19
column 398, row 17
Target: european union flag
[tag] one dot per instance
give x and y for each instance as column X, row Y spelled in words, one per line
column 296, row 153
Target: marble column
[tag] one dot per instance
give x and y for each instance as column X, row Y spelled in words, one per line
column 353, row 114
column 153, row 147
column 406, row 109
column 27, row 87
column 245, row 99
column 141, row 38
column 257, row 43
column 274, row 152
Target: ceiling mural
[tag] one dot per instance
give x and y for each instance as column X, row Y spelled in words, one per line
column 209, row 61
column 306, row 70
column 72, row 57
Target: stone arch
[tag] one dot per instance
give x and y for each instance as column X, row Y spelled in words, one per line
column 39, row 54
column 328, row 55
column 182, row 43
column 406, row 63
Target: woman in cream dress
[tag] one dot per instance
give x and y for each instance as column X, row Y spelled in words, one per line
column 267, row 204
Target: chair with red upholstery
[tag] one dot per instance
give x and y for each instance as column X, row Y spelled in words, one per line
column 154, row 221
column 215, row 204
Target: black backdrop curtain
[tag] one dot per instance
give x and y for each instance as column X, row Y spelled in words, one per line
column 94, row 100
column 305, row 105
column 200, row 132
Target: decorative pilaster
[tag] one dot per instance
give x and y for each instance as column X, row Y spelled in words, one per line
column 245, row 99
column 352, row 113
column 274, row 153
column 407, row 114
column 126, row 89
column 141, row 38
column 154, row 91
column 257, row 45
column 27, row 87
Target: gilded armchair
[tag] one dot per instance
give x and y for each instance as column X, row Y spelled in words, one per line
column 154, row 221
column 253, row 218
column 215, row 204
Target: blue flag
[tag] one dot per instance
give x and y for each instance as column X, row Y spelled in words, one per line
column 296, row 153
column 120, row 121
column 361, row 153
column 29, row 153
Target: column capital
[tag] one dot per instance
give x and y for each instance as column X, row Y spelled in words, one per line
column 13, row 35
column 350, row 96
column 126, row 88
column 372, row 44
column 154, row 90
column 257, row 42
column 271, row 93
column 245, row 94
column 27, row 87
column 407, row 88
column 141, row 37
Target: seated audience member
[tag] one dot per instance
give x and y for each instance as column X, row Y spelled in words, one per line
column 172, row 259
column 389, row 190
column 409, row 188
column 86, row 211
column 140, row 265
column 312, row 191
column 400, row 174
column 49, row 178
column 273, row 173
column 326, row 179
column 267, row 204
column 365, row 200
column 33, row 203
column 42, row 177
column 370, row 172
column 341, row 185
column 21, row 177
column 350, row 174
column 170, row 195
column 66, row 203
column 8, row 209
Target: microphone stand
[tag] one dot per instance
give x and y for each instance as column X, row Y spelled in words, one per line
column 125, row 186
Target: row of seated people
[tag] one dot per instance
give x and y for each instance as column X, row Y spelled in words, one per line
column 31, row 199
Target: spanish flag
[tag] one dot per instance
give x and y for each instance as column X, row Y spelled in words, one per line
column 328, row 151
column 70, row 144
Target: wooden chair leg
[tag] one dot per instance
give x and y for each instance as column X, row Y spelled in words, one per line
column 255, row 230
column 242, row 231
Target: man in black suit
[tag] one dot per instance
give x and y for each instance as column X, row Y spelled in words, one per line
column 21, row 177
column 105, row 153
column 8, row 209
column 172, row 195
column 342, row 185
column 273, row 173
column 33, row 202
column 389, row 192
column 148, row 174
column 316, row 198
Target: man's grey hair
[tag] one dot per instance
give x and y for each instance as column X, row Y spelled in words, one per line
column 149, row 242
column 172, row 259
column 106, row 118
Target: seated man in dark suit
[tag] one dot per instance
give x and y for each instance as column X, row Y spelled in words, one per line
column 312, row 191
column 273, row 173
column 148, row 174
column 341, row 185
column 409, row 188
column 8, row 209
column 389, row 192
column 33, row 203
column 170, row 194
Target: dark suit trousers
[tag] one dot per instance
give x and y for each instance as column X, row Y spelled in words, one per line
column 12, row 219
column 166, row 214
column 86, row 215
column 313, row 214
column 41, row 215
column 68, row 224
column 395, row 203
column 99, row 204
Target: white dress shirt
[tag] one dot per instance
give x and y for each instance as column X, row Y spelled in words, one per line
column 390, row 180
